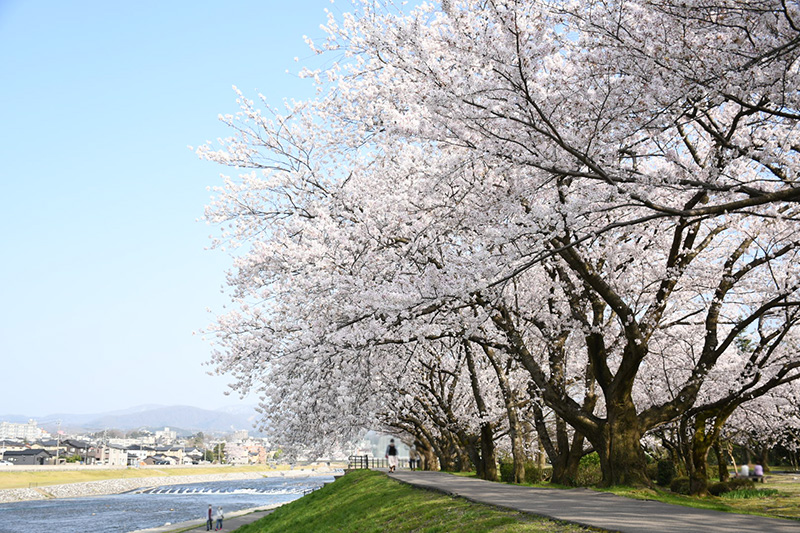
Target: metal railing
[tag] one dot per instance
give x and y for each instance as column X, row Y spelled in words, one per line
column 355, row 462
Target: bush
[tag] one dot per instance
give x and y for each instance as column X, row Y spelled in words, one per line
column 665, row 473
column 719, row 488
column 680, row 485
column 589, row 472
column 698, row 486
column 532, row 472
column 739, row 483
column 507, row 472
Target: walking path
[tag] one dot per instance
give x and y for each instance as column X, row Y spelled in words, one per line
column 597, row 509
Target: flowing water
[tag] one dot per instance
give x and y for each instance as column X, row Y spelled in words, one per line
column 120, row 513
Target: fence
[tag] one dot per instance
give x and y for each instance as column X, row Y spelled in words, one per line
column 355, row 462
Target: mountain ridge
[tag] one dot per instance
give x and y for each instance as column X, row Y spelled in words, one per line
column 151, row 416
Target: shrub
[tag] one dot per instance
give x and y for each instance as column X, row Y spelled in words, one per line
column 739, row 483
column 680, row 485
column 719, row 488
column 532, row 472
column 666, row 472
column 698, row 486
column 507, row 472
column 589, row 472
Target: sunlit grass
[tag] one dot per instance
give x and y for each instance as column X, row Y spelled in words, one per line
column 367, row 501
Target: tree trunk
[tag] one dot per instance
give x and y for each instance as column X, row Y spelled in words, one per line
column 514, row 426
column 765, row 457
column 698, row 480
column 722, row 463
column 488, row 458
column 488, row 455
column 622, row 459
column 429, row 459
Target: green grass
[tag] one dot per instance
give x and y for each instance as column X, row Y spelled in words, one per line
column 748, row 493
column 780, row 500
column 365, row 501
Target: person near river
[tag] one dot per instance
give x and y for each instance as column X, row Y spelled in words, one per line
column 220, row 516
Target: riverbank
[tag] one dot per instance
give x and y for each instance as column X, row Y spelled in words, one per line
column 118, row 486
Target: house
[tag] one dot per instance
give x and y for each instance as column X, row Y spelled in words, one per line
column 193, row 456
column 54, row 447
column 28, row 457
column 138, row 453
column 236, row 454
column 111, row 455
column 8, row 444
column 160, row 459
column 172, row 451
column 83, row 449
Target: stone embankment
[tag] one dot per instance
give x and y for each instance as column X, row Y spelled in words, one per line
column 117, row 486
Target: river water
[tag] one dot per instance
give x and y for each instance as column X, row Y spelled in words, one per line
column 120, row 513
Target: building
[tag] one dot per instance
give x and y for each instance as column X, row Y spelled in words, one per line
column 166, row 436
column 84, row 450
column 27, row 457
column 111, row 455
column 28, row 432
column 138, row 453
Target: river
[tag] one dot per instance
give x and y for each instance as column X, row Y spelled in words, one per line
column 120, row 513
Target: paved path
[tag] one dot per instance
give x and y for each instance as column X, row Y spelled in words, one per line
column 597, row 509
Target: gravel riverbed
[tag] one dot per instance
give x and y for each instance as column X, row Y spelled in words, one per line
column 117, row 486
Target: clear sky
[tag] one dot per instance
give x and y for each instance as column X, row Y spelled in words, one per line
column 104, row 273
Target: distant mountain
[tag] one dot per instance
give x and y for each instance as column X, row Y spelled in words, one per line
column 181, row 418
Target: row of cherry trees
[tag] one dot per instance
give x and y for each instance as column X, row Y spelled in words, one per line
column 501, row 219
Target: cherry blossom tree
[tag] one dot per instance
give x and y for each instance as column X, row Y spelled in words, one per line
column 614, row 181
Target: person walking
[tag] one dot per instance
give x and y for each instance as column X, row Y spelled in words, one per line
column 220, row 516
column 391, row 455
column 414, row 457
column 209, row 520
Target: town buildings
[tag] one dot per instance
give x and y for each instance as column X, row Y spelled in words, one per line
column 162, row 448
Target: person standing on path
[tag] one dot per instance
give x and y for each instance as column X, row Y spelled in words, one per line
column 391, row 455
column 209, row 520
column 413, row 458
column 220, row 516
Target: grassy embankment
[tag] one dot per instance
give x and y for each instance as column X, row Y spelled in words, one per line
column 367, row 501
column 15, row 479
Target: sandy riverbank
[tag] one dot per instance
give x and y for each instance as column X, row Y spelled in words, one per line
column 117, row 486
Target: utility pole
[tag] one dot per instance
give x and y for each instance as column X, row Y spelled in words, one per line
column 58, row 439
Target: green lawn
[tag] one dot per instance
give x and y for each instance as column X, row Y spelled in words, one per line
column 784, row 504
column 365, row 501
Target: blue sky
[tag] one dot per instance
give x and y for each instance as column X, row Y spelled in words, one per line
column 103, row 270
